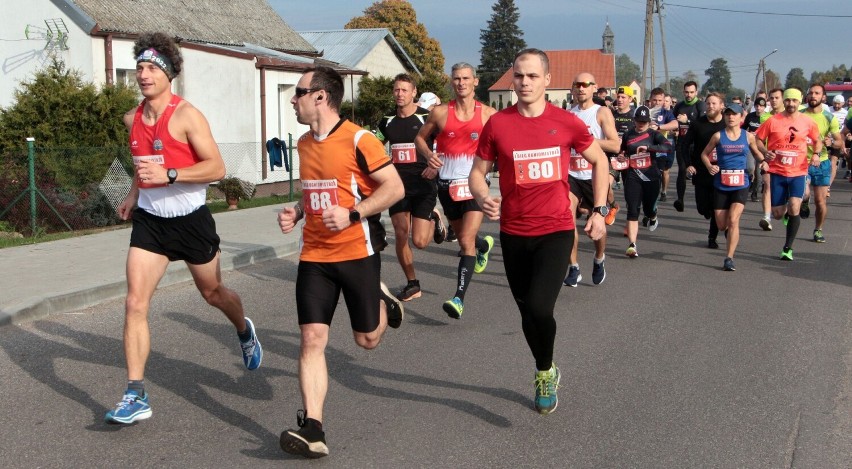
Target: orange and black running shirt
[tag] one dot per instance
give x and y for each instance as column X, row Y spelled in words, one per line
column 335, row 171
column 788, row 137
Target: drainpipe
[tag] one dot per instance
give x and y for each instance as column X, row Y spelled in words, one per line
column 108, row 65
column 265, row 156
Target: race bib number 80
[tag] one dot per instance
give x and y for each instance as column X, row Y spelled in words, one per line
column 318, row 195
column 538, row 166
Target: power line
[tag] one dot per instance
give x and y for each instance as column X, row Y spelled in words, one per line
column 758, row 12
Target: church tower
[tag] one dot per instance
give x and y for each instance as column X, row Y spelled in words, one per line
column 608, row 40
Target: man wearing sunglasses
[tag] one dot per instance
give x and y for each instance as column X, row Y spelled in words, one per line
column 599, row 121
column 347, row 181
column 458, row 125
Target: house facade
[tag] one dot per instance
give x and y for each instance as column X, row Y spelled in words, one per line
column 241, row 62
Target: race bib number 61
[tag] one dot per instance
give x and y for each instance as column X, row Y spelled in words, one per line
column 403, row 153
column 318, row 195
column 537, row 166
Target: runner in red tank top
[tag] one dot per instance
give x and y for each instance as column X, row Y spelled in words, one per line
column 458, row 125
column 175, row 158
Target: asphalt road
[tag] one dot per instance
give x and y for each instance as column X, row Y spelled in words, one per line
column 670, row 363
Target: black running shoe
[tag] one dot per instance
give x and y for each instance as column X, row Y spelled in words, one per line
column 451, row 235
column 307, row 441
column 678, row 205
column 395, row 311
column 411, row 291
column 440, row 230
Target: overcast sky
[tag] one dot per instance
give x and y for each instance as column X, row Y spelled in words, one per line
column 694, row 37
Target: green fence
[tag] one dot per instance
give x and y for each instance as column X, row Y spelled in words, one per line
column 45, row 190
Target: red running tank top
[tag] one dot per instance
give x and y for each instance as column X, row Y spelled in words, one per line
column 457, row 143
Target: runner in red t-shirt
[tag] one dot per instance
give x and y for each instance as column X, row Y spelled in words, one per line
column 532, row 142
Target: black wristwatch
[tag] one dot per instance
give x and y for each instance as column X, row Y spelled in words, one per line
column 172, row 174
column 603, row 210
column 354, row 216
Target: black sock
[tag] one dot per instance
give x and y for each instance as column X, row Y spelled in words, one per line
column 793, row 223
column 481, row 244
column 466, row 264
column 137, row 385
column 245, row 335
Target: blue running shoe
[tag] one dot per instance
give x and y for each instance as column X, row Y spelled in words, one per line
column 482, row 257
column 546, row 383
column 252, row 351
column 131, row 408
column 454, row 307
column 573, row 277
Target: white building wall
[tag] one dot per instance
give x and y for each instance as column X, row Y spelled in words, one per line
column 21, row 57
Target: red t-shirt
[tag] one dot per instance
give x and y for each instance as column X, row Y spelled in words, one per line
column 789, row 138
column 534, row 154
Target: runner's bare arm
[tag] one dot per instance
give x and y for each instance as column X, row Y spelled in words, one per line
column 705, row 154
column 479, row 188
column 610, row 141
column 595, row 226
column 434, row 124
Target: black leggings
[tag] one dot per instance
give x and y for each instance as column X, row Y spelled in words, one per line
column 681, row 154
column 535, row 267
column 636, row 192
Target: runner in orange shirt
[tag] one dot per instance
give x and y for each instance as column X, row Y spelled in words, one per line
column 788, row 135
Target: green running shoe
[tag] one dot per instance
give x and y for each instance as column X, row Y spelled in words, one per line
column 787, row 254
column 482, row 257
column 546, row 383
column 818, row 237
column 454, row 307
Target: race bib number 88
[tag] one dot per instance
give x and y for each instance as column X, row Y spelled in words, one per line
column 318, row 195
column 538, row 166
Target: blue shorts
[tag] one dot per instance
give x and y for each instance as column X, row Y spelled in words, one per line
column 665, row 161
column 783, row 188
column 820, row 175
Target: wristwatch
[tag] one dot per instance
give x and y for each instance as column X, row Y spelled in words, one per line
column 354, row 216
column 603, row 210
column 172, row 174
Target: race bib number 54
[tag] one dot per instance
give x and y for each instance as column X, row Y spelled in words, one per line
column 537, row 166
column 318, row 195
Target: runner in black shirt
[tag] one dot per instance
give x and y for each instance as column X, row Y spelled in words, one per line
column 750, row 124
column 686, row 111
column 699, row 134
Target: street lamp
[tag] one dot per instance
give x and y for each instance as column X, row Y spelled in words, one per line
column 761, row 70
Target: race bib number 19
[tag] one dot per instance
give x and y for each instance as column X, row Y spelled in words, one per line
column 459, row 190
column 403, row 153
column 318, row 195
column 733, row 177
column 538, row 166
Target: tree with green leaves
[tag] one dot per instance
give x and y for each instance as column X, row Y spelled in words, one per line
column 59, row 109
column 399, row 17
column 500, row 42
column 796, row 79
column 837, row 73
column 676, row 83
column 718, row 77
column 626, row 71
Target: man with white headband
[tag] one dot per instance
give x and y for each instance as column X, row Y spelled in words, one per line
column 175, row 157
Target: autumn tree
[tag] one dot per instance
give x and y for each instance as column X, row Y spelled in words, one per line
column 837, row 73
column 770, row 81
column 676, row 83
column 399, row 17
column 500, row 42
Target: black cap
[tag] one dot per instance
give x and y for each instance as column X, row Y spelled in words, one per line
column 643, row 114
column 760, row 100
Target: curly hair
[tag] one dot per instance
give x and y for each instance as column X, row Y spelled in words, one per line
column 163, row 44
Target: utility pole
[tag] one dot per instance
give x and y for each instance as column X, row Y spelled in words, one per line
column 649, row 45
column 663, row 42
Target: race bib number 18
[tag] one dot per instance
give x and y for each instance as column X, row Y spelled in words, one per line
column 403, row 153
column 318, row 195
column 538, row 166
column 733, row 177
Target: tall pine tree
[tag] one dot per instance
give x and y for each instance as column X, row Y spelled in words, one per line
column 500, row 42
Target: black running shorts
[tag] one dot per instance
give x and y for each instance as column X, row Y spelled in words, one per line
column 191, row 238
